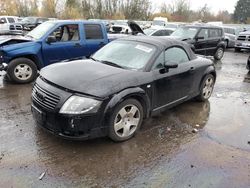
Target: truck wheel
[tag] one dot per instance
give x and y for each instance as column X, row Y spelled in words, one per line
column 22, row 70
column 125, row 120
column 219, row 53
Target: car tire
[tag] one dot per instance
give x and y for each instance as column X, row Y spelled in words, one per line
column 219, row 53
column 206, row 89
column 22, row 70
column 237, row 49
column 125, row 120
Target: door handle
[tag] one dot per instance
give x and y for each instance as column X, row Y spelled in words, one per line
column 191, row 70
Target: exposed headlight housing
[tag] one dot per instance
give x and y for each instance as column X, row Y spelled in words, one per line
column 76, row 105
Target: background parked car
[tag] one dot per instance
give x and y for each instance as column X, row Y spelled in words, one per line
column 243, row 41
column 120, row 26
column 204, row 39
column 9, row 25
column 29, row 23
column 52, row 42
column 160, row 21
column 158, row 31
column 230, row 36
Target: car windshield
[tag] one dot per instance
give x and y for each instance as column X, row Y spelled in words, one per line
column 28, row 20
column 41, row 30
column 185, row 32
column 125, row 54
column 149, row 31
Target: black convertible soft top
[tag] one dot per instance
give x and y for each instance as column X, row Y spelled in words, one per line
column 162, row 43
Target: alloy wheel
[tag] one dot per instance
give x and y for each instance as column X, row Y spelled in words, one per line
column 127, row 121
column 208, row 88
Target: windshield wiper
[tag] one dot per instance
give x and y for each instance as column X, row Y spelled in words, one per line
column 112, row 64
column 93, row 59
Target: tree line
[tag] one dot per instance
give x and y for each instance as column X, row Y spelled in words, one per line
column 177, row 10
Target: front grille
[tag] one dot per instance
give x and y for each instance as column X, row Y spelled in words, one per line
column 117, row 29
column 18, row 27
column 44, row 98
column 241, row 37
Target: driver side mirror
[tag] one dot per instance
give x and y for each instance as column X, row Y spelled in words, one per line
column 168, row 66
column 51, row 39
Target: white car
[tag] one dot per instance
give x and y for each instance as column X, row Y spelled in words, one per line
column 120, row 26
column 9, row 25
column 159, row 31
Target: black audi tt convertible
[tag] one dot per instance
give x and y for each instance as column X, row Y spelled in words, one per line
column 126, row 81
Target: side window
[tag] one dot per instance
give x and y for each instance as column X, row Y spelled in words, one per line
column 158, row 33
column 203, row 33
column 93, row 31
column 3, row 20
column 159, row 63
column 214, row 33
column 11, row 20
column 176, row 55
column 66, row 33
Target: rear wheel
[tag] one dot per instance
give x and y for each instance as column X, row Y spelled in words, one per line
column 22, row 70
column 207, row 87
column 125, row 120
column 219, row 53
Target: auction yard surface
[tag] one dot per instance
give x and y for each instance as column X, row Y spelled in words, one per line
column 165, row 153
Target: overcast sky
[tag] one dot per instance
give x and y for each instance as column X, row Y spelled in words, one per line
column 215, row 5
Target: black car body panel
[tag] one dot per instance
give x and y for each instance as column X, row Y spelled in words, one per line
column 111, row 85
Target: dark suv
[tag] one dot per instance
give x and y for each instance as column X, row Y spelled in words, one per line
column 204, row 39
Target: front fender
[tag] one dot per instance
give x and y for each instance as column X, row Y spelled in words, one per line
column 34, row 50
column 137, row 93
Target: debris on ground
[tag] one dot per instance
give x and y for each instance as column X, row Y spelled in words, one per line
column 168, row 129
column 219, row 95
column 197, row 125
column 192, row 166
column 194, row 130
column 248, row 142
column 42, row 175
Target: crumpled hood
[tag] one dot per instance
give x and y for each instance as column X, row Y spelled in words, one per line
column 92, row 78
column 6, row 40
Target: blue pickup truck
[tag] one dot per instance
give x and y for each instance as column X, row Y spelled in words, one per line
column 52, row 42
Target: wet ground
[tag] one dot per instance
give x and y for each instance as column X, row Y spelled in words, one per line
column 165, row 153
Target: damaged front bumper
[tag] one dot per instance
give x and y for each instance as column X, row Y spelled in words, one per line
column 3, row 67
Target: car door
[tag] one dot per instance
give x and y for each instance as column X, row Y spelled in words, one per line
column 68, row 44
column 95, row 39
column 175, row 85
column 201, row 44
column 214, row 38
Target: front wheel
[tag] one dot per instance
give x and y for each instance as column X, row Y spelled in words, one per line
column 207, row 87
column 219, row 53
column 22, row 70
column 125, row 120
